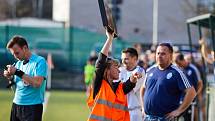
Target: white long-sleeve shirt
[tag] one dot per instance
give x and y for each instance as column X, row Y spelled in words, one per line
column 133, row 96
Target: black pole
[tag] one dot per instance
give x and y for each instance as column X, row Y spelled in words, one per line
column 200, row 31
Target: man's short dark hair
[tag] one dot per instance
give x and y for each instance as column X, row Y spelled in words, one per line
column 131, row 51
column 179, row 57
column 21, row 41
column 168, row 45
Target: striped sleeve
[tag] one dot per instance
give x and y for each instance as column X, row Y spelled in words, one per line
column 185, row 81
column 196, row 71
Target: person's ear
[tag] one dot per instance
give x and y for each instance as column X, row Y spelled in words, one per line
column 136, row 58
column 25, row 48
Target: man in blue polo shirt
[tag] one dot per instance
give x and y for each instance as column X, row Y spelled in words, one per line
column 193, row 75
column 163, row 86
column 29, row 75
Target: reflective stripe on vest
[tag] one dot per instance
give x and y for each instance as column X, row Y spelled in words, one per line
column 100, row 118
column 109, row 106
column 112, row 105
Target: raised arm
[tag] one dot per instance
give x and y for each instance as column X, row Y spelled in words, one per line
column 108, row 43
column 204, row 51
column 100, row 64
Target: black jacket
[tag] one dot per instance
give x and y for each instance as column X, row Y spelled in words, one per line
column 100, row 68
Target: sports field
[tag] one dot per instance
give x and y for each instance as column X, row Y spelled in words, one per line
column 62, row 106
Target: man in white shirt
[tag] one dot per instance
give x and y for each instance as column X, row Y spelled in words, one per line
column 130, row 60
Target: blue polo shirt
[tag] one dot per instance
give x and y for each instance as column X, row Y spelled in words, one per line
column 193, row 75
column 163, row 89
column 26, row 94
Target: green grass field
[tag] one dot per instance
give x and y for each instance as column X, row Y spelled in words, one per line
column 62, row 106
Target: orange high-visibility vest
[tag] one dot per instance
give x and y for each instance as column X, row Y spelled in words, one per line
column 109, row 106
column 90, row 100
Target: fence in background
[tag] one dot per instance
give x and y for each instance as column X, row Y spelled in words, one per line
column 70, row 48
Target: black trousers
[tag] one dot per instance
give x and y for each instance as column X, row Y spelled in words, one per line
column 26, row 112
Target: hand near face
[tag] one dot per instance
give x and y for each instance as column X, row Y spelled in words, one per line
column 134, row 77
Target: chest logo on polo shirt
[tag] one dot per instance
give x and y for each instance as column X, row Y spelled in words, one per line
column 169, row 75
column 151, row 74
column 189, row 72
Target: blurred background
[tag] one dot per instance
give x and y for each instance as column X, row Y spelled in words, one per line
column 71, row 31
